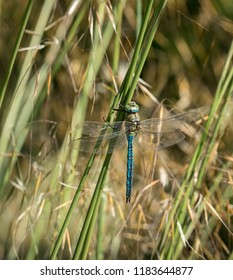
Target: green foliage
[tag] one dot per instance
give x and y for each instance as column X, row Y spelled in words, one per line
column 78, row 60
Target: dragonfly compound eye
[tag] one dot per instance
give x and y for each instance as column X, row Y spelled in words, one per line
column 132, row 107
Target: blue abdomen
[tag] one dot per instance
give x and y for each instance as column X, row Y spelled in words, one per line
column 130, row 165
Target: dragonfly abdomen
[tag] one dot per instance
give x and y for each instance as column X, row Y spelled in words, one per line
column 130, row 166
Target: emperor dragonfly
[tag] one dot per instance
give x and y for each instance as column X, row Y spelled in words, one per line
column 159, row 132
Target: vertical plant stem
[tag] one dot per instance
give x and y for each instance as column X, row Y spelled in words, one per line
column 199, row 164
column 82, row 247
column 15, row 50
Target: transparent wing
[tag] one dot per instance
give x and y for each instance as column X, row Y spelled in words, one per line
column 165, row 132
column 91, row 134
column 93, row 129
column 160, row 140
column 170, row 124
column 161, row 132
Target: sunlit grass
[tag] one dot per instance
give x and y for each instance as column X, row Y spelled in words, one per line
column 70, row 67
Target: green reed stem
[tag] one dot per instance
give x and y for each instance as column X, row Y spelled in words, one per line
column 82, row 247
column 198, row 164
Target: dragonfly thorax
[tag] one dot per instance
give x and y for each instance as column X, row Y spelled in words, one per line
column 150, row 134
column 132, row 118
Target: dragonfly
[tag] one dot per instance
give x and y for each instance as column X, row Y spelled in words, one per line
column 149, row 133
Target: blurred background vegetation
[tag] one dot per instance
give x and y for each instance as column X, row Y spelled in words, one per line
column 63, row 62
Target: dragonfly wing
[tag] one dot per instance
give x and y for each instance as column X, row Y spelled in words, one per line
column 91, row 133
column 170, row 124
column 166, row 132
column 93, row 129
column 160, row 140
column 87, row 145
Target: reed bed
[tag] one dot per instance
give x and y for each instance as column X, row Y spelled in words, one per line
column 66, row 63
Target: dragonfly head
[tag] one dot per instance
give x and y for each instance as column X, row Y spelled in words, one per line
column 132, row 107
